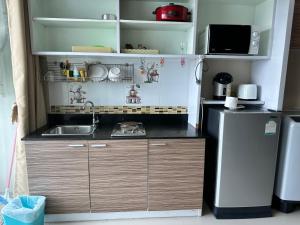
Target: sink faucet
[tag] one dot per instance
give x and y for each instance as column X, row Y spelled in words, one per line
column 93, row 110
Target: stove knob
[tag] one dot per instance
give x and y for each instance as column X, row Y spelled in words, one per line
column 254, row 43
column 255, row 34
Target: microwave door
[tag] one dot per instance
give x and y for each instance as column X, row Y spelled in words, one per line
column 229, row 39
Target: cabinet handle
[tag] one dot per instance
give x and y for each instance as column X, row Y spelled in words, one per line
column 99, row 146
column 77, row 146
column 159, row 144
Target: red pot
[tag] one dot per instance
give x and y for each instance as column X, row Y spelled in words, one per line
column 172, row 12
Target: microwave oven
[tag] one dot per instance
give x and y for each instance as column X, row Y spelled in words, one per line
column 230, row 39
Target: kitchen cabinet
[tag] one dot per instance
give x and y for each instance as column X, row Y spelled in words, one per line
column 176, row 170
column 57, row 25
column 118, row 175
column 59, row 171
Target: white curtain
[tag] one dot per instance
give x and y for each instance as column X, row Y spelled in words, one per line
column 7, row 98
column 27, row 85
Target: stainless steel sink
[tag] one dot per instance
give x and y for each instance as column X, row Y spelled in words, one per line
column 69, row 130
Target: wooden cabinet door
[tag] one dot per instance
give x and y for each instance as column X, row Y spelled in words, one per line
column 59, row 171
column 118, row 175
column 176, row 171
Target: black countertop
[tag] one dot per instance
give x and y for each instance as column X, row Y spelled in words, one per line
column 156, row 128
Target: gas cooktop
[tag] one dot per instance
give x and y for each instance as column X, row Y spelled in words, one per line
column 128, row 129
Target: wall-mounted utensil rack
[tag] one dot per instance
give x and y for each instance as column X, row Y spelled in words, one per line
column 55, row 74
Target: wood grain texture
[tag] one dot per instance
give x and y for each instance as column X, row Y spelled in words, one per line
column 295, row 39
column 60, row 173
column 176, row 171
column 118, row 175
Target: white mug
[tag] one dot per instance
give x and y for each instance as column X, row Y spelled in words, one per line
column 231, row 102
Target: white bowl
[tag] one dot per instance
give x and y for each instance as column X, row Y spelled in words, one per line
column 114, row 74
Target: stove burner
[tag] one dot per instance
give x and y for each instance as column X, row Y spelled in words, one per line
column 128, row 129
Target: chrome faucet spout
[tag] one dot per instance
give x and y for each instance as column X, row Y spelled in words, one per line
column 93, row 111
column 89, row 102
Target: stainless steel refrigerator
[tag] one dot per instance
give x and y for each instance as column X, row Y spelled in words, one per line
column 240, row 162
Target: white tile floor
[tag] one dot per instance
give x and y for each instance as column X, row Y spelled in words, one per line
column 206, row 219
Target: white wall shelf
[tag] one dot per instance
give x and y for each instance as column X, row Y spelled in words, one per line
column 215, row 57
column 241, row 102
column 156, row 25
column 72, row 22
column 57, row 29
column 236, row 57
column 191, row 56
column 57, row 25
column 169, row 37
column 117, row 55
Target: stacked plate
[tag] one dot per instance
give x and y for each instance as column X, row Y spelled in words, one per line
column 99, row 72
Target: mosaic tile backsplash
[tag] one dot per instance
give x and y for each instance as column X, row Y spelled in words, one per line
column 71, row 109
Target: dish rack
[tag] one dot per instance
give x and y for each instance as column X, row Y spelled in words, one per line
column 55, row 73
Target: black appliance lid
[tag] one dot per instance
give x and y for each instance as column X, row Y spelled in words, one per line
column 223, row 78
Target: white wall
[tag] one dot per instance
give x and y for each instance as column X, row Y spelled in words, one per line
column 271, row 74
